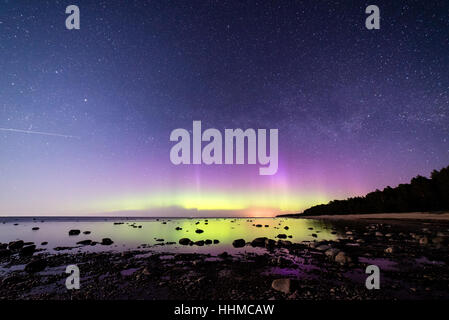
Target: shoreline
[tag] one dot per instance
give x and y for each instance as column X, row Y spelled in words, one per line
column 407, row 216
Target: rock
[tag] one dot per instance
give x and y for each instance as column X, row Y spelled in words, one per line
column 438, row 240
column 28, row 250
column 314, row 235
column 178, row 228
column 332, row 252
column 85, row 242
column 208, row 241
column 423, row 240
column 259, row 242
column 284, row 243
column 349, row 233
column 199, row 231
column 86, row 232
column 269, row 243
column 323, row 247
column 216, row 241
column 160, row 240
column 44, row 243
column 342, row 258
column 74, row 232
column 389, row 250
column 36, row 266
column 15, row 245
column 286, row 227
column 282, row 236
column 224, row 255
column 199, row 243
column 4, row 253
column 378, row 234
column 282, row 285
column 258, row 225
column 106, row 241
column 239, row 243
column 184, row 241
column 35, row 228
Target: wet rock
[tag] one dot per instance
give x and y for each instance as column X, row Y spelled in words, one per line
column 178, row 228
column 199, row 243
column 282, row 236
column 342, row 258
column 15, row 245
column 314, row 235
column 208, row 241
column 239, row 243
column 269, row 243
column 74, row 232
column 378, row 234
column 160, row 240
column 85, row 242
column 44, row 243
column 282, row 285
column 36, row 266
column 286, row 227
column 259, row 242
column 28, row 250
column 106, row 241
column 86, row 232
column 199, row 231
column 3, row 246
column 258, row 225
column 216, row 241
column 184, row 241
column 35, row 228
column 4, row 253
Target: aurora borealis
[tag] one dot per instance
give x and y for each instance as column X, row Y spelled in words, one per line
column 356, row 109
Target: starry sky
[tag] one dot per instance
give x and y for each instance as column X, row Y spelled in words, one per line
column 356, row 109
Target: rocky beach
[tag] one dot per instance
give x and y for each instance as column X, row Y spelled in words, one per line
column 412, row 256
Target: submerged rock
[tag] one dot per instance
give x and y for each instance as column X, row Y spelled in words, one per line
column 85, row 242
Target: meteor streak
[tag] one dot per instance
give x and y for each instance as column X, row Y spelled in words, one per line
column 39, row 132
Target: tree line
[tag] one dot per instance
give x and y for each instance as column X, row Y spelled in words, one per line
column 421, row 194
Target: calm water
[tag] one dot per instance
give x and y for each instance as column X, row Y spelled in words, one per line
column 125, row 236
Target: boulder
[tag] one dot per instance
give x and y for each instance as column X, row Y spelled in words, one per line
column 208, row 241
column 216, row 241
column 74, row 232
column 35, row 228
column 282, row 285
column 184, row 241
column 199, row 243
column 28, row 250
column 259, row 242
column 15, row 245
column 106, row 241
column 239, row 243
column 199, row 231
column 282, row 236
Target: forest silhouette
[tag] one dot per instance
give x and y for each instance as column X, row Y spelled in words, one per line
column 420, row 195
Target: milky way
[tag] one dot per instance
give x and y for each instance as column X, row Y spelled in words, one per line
column 356, row 109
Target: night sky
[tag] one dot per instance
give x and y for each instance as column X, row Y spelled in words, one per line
column 356, row 109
